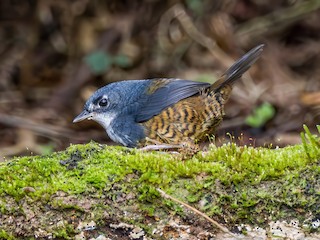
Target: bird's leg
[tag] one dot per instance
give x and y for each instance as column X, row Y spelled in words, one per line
column 185, row 147
column 161, row 147
column 156, row 145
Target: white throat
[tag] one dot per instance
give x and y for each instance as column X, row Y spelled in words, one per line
column 104, row 119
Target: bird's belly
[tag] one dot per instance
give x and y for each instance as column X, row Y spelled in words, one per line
column 190, row 120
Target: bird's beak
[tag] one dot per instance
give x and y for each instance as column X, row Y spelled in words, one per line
column 82, row 116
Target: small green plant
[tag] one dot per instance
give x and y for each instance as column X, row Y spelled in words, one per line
column 196, row 6
column 100, row 62
column 261, row 115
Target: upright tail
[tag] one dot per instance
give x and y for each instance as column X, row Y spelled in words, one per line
column 238, row 68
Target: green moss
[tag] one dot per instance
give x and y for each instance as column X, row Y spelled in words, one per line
column 64, row 232
column 240, row 184
column 5, row 235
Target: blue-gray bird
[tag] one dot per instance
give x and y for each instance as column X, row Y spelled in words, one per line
column 136, row 113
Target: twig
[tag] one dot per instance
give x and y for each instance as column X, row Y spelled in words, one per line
column 26, row 123
column 26, row 140
column 178, row 12
column 273, row 22
column 222, row 228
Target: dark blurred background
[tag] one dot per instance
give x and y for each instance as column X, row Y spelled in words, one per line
column 54, row 54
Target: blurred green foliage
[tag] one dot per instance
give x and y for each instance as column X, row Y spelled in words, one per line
column 261, row 115
column 100, row 62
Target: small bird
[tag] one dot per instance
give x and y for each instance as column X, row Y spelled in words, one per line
column 138, row 113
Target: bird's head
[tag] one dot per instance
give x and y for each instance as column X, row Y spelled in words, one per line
column 111, row 101
column 103, row 106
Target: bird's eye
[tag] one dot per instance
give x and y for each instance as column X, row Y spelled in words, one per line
column 103, row 102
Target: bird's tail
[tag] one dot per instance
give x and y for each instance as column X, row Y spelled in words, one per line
column 238, row 68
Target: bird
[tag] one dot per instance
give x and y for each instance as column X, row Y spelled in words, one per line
column 167, row 111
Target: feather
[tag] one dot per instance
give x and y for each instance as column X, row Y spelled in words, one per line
column 163, row 93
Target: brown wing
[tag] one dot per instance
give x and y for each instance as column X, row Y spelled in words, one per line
column 163, row 93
